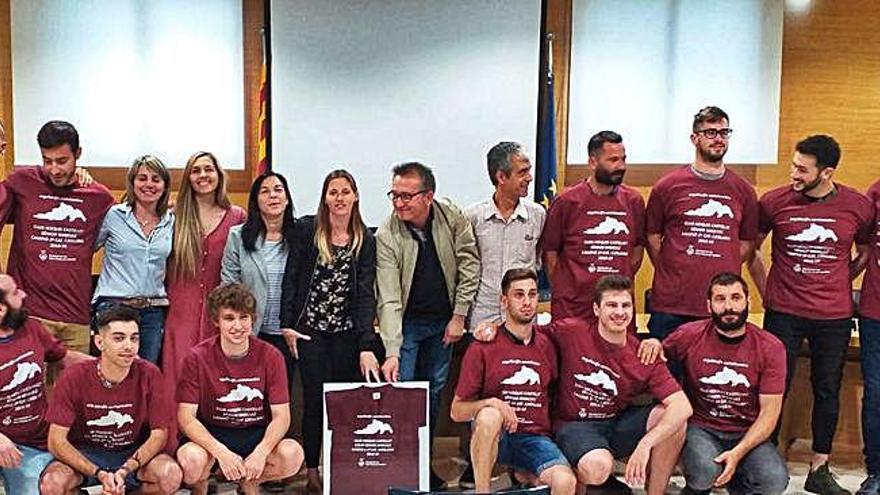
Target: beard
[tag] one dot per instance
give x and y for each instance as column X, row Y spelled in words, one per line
column 725, row 326
column 609, row 178
column 809, row 186
column 14, row 319
column 708, row 155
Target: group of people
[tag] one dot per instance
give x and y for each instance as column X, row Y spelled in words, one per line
column 229, row 304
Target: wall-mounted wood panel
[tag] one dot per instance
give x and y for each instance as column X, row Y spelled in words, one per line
column 831, row 85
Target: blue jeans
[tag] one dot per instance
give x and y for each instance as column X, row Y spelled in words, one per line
column 423, row 357
column 869, row 338
column 530, row 453
column 761, row 471
column 151, row 328
column 25, row 479
column 662, row 324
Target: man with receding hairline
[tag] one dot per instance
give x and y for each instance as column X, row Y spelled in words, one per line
column 593, row 229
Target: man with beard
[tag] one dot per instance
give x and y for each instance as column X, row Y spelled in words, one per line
column 734, row 376
column 504, row 390
column 593, row 229
column 701, row 219
column 815, row 222
column 25, row 347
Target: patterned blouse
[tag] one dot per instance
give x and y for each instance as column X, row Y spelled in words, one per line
column 328, row 307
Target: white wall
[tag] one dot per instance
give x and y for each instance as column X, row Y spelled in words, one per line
column 645, row 67
column 367, row 84
column 134, row 76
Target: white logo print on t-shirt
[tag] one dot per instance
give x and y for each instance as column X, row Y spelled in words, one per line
column 23, row 373
column 62, row 212
column 523, row 376
column 814, row 232
column 241, row 392
column 711, row 208
column 726, row 376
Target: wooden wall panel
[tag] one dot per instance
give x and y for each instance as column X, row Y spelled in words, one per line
column 831, row 85
column 6, row 83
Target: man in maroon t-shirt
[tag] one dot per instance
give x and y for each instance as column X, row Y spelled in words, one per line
column 109, row 418
column 701, row 219
column 734, row 376
column 233, row 404
column 57, row 220
column 593, row 229
column 808, row 294
column 504, row 390
column 869, row 350
column 25, row 347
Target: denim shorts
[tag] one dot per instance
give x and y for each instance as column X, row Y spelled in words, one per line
column 111, row 460
column 619, row 435
column 530, row 453
column 25, row 479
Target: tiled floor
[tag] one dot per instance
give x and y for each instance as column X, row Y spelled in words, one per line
column 449, row 466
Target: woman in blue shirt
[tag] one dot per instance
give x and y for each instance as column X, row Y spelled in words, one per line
column 136, row 236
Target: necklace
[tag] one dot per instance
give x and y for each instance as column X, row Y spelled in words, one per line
column 104, row 380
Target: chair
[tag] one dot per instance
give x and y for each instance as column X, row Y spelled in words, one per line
column 541, row 490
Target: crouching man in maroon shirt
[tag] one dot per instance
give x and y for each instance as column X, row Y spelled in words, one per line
column 233, row 402
column 504, row 389
column 109, row 418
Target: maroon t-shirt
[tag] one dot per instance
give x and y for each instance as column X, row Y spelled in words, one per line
column 22, row 394
column 723, row 380
column 869, row 305
column 812, row 245
column 519, row 374
column 53, row 242
column 594, row 236
column 375, row 443
column 598, row 379
column 115, row 418
column 234, row 393
column 702, row 223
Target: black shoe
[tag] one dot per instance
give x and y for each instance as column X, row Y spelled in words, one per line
column 467, row 478
column 821, row 481
column 613, row 486
column 437, row 483
column 690, row 491
column 871, row 485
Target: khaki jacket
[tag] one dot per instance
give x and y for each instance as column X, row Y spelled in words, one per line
column 396, row 254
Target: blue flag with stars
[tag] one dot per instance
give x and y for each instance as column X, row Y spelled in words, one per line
column 545, row 164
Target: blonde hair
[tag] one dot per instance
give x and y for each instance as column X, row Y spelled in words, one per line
column 323, row 231
column 156, row 166
column 188, row 228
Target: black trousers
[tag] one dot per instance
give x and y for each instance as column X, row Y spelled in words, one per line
column 328, row 357
column 828, row 341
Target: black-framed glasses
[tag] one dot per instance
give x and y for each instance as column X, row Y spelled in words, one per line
column 724, row 132
column 404, row 197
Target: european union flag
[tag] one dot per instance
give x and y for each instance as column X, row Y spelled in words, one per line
column 545, row 163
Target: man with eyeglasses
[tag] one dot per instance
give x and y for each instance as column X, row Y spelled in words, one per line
column 424, row 251
column 815, row 222
column 701, row 219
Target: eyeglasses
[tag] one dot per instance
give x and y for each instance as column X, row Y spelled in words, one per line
column 724, row 132
column 404, row 197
